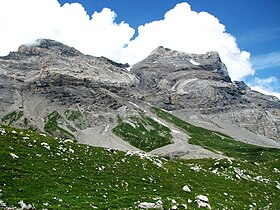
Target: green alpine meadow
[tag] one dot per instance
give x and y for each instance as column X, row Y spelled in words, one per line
column 56, row 173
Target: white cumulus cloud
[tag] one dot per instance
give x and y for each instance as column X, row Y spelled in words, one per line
column 25, row 21
column 189, row 31
column 180, row 29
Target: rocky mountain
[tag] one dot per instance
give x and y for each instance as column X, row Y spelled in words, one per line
column 56, row 89
column 199, row 85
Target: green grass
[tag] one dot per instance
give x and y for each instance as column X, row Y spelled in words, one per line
column 143, row 132
column 17, row 118
column 52, row 127
column 72, row 115
column 12, row 117
column 219, row 142
column 77, row 118
column 52, row 173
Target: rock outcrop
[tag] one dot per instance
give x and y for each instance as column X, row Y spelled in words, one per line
column 199, row 85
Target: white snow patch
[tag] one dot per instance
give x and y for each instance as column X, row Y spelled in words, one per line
column 174, row 131
column 134, row 104
column 159, row 121
column 194, row 62
column 162, row 123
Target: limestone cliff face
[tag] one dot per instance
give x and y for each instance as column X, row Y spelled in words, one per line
column 48, row 76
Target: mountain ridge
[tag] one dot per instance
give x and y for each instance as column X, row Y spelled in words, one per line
column 52, row 84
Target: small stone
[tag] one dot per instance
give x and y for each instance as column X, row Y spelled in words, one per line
column 186, row 188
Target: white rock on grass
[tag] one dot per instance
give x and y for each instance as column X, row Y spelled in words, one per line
column 202, row 198
column 185, row 206
column 173, row 201
column 277, row 185
column 196, row 168
column 2, row 131
column 203, row 201
column 276, row 170
column 44, row 144
column 146, row 205
column 23, row 206
column 2, row 204
column 186, row 188
column 261, row 179
column 14, row 156
column 71, row 150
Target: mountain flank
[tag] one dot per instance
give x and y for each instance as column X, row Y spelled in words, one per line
column 53, row 88
column 172, row 131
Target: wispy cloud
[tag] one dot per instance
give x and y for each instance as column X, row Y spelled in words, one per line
column 265, row 61
column 259, row 35
column 259, row 89
column 268, row 86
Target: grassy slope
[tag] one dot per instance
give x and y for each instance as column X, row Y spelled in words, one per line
column 146, row 134
column 72, row 176
column 52, row 127
column 219, row 142
column 12, row 117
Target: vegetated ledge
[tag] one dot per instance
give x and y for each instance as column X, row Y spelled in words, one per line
column 216, row 141
column 143, row 132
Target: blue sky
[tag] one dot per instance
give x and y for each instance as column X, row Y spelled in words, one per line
column 254, row 23
column 231, row 27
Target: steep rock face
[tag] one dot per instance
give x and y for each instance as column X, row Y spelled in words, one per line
column 199, row 84
column 50, row 86
column 58, row 72
column 48, row 57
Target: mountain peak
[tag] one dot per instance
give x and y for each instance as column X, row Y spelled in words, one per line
column 160, row 51
column 47, row 46
column 178, row 60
